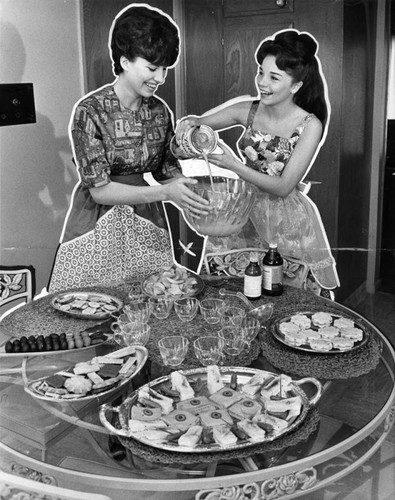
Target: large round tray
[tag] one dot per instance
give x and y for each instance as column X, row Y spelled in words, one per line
column 198, row 288
column 243, row 376
column 87, row 298
column 275, row 330
column 141, row 355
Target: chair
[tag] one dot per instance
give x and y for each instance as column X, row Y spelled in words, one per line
column 12, row 486
column 17, row 284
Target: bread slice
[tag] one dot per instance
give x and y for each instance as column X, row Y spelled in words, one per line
column 226, row 397
column 196, row 405
column 192, row 437
column 224, row 436
column 145, row 414
column 181, row 420
column 214, row 379
column 216, row 417
column 245, row 408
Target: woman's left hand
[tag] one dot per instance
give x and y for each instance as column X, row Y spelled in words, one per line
column 226, row 160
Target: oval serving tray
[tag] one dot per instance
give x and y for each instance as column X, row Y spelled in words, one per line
column 141, row 358
column 86, row 305
column 243, row 376
column 277, row 334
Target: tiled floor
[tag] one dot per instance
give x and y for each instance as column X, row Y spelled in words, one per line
column 375, row 479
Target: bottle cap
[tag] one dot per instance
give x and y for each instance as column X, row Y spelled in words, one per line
column 273, row 245
column 253, row 257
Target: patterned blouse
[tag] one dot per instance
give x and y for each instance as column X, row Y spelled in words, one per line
column 113, row 141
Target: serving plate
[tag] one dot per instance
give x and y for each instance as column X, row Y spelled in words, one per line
column 34, row 387
column 87, row 305
column 306, row 347
column 4, row 354
column 198, row 378
column 175, row 281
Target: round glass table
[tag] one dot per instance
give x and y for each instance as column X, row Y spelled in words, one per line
column 66, row 444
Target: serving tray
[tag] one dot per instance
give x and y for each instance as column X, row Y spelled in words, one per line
column 32, row 387
column 87, row 305
column 195, row 377
column 306, row 347
column 173, row 282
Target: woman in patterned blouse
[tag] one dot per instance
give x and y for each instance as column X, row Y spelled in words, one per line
column 115, row 228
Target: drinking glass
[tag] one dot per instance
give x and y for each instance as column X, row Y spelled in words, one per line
column 138, row 312
column 208, row 350
column 173, row 350
column 132, row 334
column 233, row 340
column 231, row 316
column 250, row 328
column 186, row 308
column 210, row 308
column 161, row 306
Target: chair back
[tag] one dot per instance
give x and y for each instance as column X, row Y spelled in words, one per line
column 17, row 286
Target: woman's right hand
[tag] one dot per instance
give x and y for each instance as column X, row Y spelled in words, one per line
column 184, row 126
column 179, row 193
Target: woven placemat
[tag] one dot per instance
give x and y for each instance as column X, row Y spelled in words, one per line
column 38, row 317
column 197, row 328
column 322, row 366
column 157, row 455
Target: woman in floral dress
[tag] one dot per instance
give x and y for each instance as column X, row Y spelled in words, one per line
column 116, row 228
column 284, row 130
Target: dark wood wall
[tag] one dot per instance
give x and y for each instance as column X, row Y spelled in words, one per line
column 98, row 16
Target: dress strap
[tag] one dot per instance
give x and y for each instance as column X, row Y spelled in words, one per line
column 251, row 114
column 299, row 129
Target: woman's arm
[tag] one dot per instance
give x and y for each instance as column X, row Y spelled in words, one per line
column 176, row 191
column 293, row 172
column 227, row 115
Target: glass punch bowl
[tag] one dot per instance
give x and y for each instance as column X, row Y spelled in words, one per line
column 231, row 202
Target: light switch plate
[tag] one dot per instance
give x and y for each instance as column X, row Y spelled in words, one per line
column 16, row 104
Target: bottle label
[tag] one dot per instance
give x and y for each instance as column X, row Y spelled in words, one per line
column 252, row 286
column 272, row 276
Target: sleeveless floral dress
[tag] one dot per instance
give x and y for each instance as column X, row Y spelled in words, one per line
column 293, row 222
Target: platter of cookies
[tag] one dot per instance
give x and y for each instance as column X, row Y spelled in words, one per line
column 320, row 332
column 173, row 281
column 92, row 379
column 87, row 305
column 212, row 409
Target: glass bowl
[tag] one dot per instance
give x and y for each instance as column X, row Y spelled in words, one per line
column 231, row 202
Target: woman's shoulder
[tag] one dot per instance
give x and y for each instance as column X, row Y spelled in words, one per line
column 309, row 121
column 97, row 96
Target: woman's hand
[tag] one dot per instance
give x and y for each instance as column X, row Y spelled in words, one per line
column 184, row 126
column 226, row 160
column 179, row 193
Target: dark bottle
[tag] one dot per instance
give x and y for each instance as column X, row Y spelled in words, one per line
column 253, row 278
column 272, row 272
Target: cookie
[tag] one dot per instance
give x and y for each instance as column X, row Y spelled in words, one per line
column 301, row 320
column 321, row 319
column 328, row 332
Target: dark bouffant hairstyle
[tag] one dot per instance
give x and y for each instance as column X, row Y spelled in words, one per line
column 145, row 33
column 295, row 54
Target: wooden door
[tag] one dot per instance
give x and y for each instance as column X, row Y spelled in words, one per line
column 245, row 25
column 221, row 39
